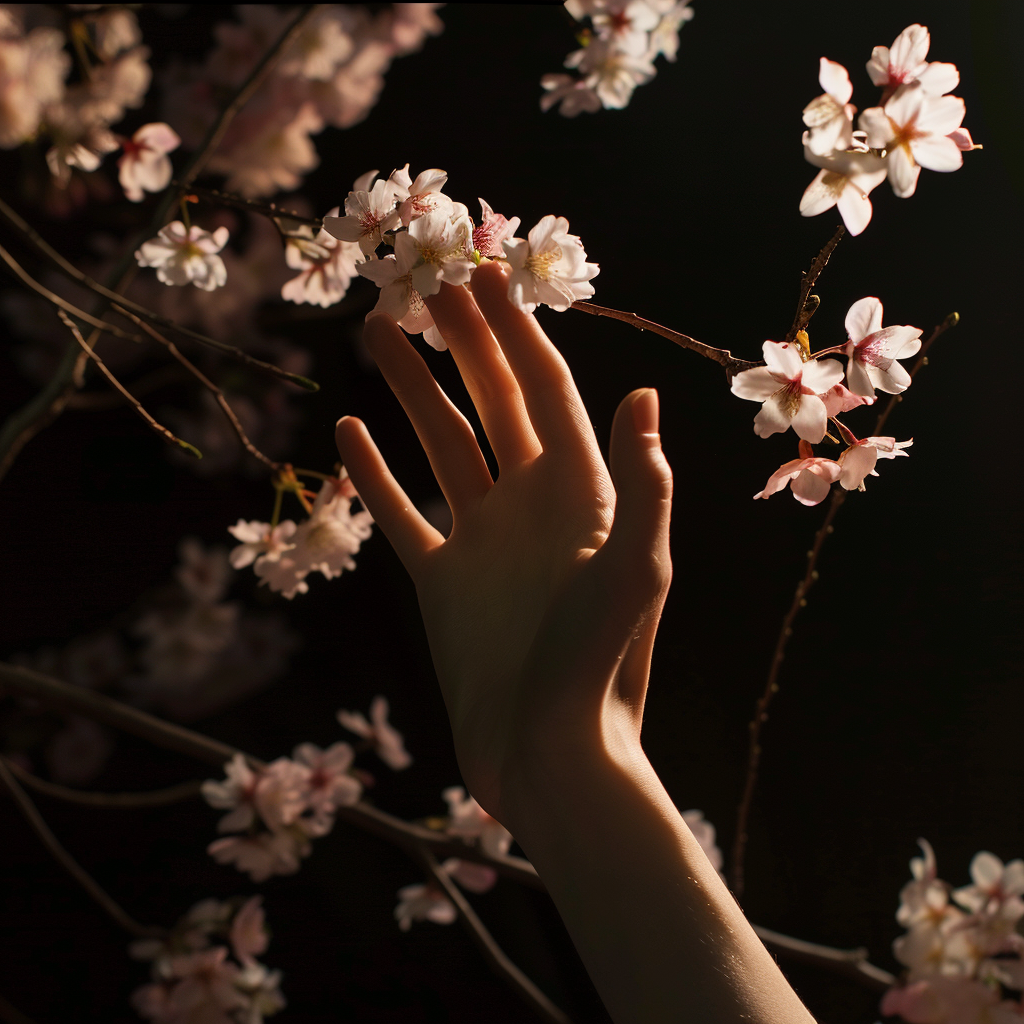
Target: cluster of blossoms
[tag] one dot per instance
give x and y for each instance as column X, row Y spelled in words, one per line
column 278, row 809
column 802, row 390
column 617, row 54
column 915, row 125
column 963, row 949
column 194, row 980
column 283, row 554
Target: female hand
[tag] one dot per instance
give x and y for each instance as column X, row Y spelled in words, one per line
column 542, row 604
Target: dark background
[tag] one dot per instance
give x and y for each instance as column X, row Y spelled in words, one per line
column 899, row 714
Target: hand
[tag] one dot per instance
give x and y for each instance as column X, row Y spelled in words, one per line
column 542, row 605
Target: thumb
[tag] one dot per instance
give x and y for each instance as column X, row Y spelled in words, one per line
column 637, row 545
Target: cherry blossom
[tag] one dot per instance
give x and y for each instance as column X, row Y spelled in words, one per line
column 182, row 256
column 492, row 230
column 236, row 793
column 840, row 399
column 788, row 388
column 625, row 26
column 32, row 73
column 145, row 166
column 913, row 127
column 610, row 72
column 993, row 882
column 423, row 903
column 328, row 266
column 260, row 541
column 845, row 179
column 248, row 931
column 385, row 739
column 830, row 116
column 261, row 855
column 280, row 795
column 873, row 350
column 704, row 832
column 328, row 784
column 810, row 478
column 858, row 461
column 574, row 95
column 369, row 215
column 471, row 876
column 436, row 243
column 422, row 195
column 548, row 267
column 332, row 534
column 904, row 62
column 398, row 298
column 470, row 821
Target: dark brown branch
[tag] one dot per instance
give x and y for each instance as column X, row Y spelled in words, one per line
column 217, row 393
column 152, row 798
column 808, row 303
column 271, row 210
column 62, row 304
column 800, row 601
column 492, row 952
column 720, row 355
column 131, row 399
column 66, row 861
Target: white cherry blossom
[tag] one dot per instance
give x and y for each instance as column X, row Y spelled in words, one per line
column 830, row 116
column 183, row 256
column 913, row 127
column 423, row 903
column 260, row 541
column 422, row 195
column 810, row 478
column 332, row 534
column 434, row 246
column 549, row 267
column 873, row 351
column 858, row 461
column 368, row 216
column 327, row 264
column 845, row 179
column 398, row 298
column 788, row 388
column 384, row 737
column 236, row 793
column 470, row 821
column 612, row 74
column 575, row 95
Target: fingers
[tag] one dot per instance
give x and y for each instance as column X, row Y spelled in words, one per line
column 444, row 432
column 410, row 534
column 636, row 553
column 552, row 401
column 488, row 377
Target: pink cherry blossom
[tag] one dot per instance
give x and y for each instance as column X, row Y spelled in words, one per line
column 858, row 461
column 280, row 795
column 471, row 876
column 574, row 94
column 625, row 25
column 236, row 793
column 422, row 195
column 32, row 73
column 950, row 1000
column 993, row 882
column 145, row 166
column 470, row 821
column 248, row 932
column 206, row 985
column 184, row 256
column 398, row 297
column 913, row 127
column 386, row 740
column 259, row 541
column 810, row 478
column 788, row 388
column 423, row 903
column 549, row 267
column 904, row 62
column 261, row 855
column 328, row 266
column 332, row 534
column 830, row 116
column 492, row 230
column 611, row 73
column 840, row 399
column 873, row 350
column 328, row 784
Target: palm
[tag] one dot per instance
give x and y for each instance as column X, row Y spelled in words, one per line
column 540, row 608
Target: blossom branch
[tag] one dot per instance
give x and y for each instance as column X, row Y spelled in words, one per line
column 719, row 355
column 800, row 601
column 84, row 879
column 492, row 952
column 808, row 303
column 70, row 270
column 406, row 835
column 51, row 400
column 153, row 798
column 270, row 210
column 217, row 393
column 134, row 402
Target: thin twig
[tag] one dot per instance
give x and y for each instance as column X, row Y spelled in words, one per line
column 403, row 834
column 60, row 303
column 850, row 963
column 720, row 355
column 271, row 210
column 98, row 401
column 808, row 303
column 217, row 393
column 800, row 601
column 21, row 426
column 492, row 952
column 132, row 400
column 71, row 271
column 153, row 798
column 66, row 861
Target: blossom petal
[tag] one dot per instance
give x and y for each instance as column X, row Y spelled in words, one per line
column 864, row 318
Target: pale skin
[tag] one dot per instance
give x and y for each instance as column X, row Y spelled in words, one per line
column 541, row 609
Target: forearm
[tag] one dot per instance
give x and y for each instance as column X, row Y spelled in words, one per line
column 656, row 927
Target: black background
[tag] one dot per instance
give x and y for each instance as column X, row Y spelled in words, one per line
column 900, row 709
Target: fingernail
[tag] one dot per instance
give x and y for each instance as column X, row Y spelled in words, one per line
column 645, row 412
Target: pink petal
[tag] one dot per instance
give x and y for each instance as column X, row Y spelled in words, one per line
column 810, row 420
column 810, row 488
